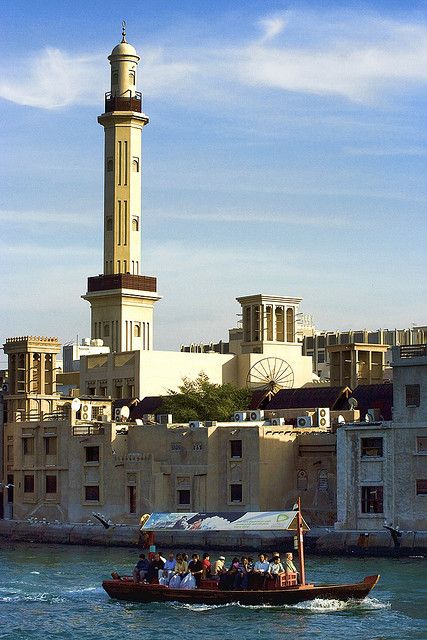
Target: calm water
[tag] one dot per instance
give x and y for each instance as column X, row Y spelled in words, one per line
column 55, row 592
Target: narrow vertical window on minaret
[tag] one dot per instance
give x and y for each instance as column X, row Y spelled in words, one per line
column 119, row 178
column 125, row 153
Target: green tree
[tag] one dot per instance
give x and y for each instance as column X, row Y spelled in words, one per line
column 201, row 399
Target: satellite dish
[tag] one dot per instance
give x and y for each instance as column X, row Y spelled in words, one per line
column 76, row 404
column 124, row 412
column 341, row 419
column 353, row 403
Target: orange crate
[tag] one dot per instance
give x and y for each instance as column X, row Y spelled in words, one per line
column 288, row 579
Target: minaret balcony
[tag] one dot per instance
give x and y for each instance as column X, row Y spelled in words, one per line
column 123, row 103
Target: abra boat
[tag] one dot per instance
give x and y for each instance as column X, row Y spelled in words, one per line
column 285, row 591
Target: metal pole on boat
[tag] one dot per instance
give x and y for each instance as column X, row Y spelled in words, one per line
column 300, row 544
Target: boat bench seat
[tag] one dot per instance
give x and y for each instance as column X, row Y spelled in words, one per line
column 287, row 579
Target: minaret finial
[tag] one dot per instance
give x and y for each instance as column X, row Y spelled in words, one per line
column 123, row 30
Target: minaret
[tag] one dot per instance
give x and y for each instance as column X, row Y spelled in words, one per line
column 121, row 299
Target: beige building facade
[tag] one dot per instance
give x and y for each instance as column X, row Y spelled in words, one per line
column 382, row 467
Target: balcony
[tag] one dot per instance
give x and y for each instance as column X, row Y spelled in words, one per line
column 123, row 103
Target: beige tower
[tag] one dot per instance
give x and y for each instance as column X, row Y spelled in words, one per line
column 121, row 299
column 32, row 377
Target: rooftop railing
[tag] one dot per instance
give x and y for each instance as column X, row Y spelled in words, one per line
column 123, row 103
column 413, row 351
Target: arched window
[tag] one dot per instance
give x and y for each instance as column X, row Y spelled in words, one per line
column 135, row 165
column 115, row 77
column 109, row 224
column 106, row 330
column 110, row 164
column 137, row 330
column 135, row 223
column 131, row 77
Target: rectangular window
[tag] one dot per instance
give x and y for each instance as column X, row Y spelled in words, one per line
column 422, row 444
column 184, row 497
column 50, row 446
column 51, row 482
column 92, row 493
column 235, row 448
column 412, row 395
column 372, row 499
column 29, row 484
column 10, row 453
column 92, row 454
column 371, row 447
column 236, row 493
column 132, row 498
column 28, row 446
column 421, row 487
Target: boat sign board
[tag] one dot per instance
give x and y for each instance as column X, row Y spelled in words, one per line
column 223, row 521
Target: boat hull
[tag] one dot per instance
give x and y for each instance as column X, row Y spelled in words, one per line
column 126, row 590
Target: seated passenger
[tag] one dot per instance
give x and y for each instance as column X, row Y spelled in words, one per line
column 206, row 565
column 218, row 568
column 155, row 566
column 181, row 566
column 141, row 568
column 168, row 568
column 289, row 565
column 275, row 568
column 242, row 575
column 195, row 567
column 260, row 569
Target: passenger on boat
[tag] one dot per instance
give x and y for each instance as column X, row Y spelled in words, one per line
column 206, row 565
column 289, row 565
column 242, row 576
column 195, row 567
column 155, row 567
column 226, row 579
column 181, row 565
column 261, row 566
column 168, row 569
column 276, row 567
column 141, row 568
column 218, row 568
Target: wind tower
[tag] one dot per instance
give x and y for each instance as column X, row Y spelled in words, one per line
column 121, row 299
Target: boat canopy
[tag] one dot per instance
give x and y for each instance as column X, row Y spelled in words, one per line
column 223, row 521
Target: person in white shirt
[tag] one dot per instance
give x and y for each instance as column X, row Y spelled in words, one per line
column 259, row 572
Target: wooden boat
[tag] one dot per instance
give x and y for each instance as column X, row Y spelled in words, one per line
column 283, row 591
column 127, row 589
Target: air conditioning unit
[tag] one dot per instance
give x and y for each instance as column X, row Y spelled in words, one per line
column 194, row 424
column 256, row 415
column 210, row 423
column 117, row 414
column 240, row 416
column 86, row 411
column 277, row 422
column 164, row 418
column 323, row 418
column 374, row 415
column 304, row 421
column 5, row 387
column 148, row 417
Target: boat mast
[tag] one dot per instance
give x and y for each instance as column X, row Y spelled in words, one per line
column 300, row 544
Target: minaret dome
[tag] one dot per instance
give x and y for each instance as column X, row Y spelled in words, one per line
column 124, row 61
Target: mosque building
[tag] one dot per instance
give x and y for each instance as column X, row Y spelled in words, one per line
column 265, row 350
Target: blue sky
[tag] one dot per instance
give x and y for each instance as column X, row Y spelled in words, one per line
column 286, row 154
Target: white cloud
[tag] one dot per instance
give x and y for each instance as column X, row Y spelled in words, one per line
column 357, row 58
column 272, row 26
